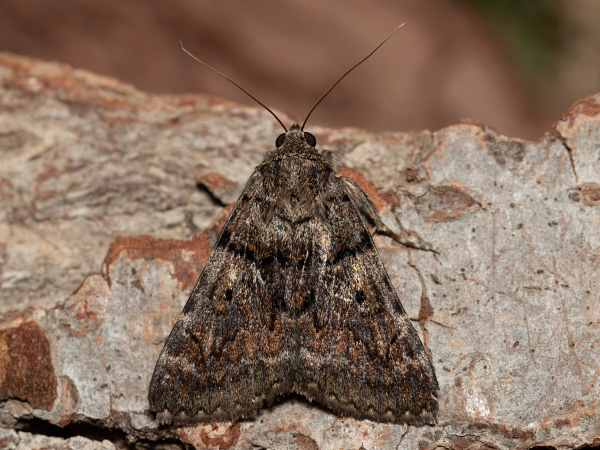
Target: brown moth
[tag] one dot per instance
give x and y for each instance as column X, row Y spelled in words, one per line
column 295, row 299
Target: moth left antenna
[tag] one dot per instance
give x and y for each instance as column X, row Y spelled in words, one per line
column 347, row 72
column 237, row 84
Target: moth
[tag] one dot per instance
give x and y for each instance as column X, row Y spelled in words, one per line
column 295, row 299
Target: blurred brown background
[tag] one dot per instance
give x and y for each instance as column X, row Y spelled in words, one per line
column 512, row 64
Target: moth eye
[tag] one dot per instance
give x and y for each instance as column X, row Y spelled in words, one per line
column 310, row 139
column 279, row 140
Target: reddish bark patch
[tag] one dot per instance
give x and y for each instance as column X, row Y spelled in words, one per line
column 220, row 187
column 514, row 432
column 305, row 442
column 69, row 399
column 476, row 123
column 366, row 186
column 588, row 193
column 226, row 439
column 469, row 443
column 445, row 203
column 588, row 107
column 86, row 308
column 188, row 257
column 26, row 370
column 219, row 435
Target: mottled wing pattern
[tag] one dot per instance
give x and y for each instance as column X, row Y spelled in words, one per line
column 359, row 354
column 234, row 345
column 294, row 298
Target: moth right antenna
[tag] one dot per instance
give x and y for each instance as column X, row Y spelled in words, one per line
column 235, row 83
column 347, row 72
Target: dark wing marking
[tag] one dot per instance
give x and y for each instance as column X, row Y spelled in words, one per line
column 359, row 353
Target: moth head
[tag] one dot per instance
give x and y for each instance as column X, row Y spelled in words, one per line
column 307, row 137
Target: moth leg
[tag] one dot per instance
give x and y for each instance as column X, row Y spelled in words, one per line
column 367, row 208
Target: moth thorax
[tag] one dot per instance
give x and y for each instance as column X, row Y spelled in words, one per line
column 299, row 195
